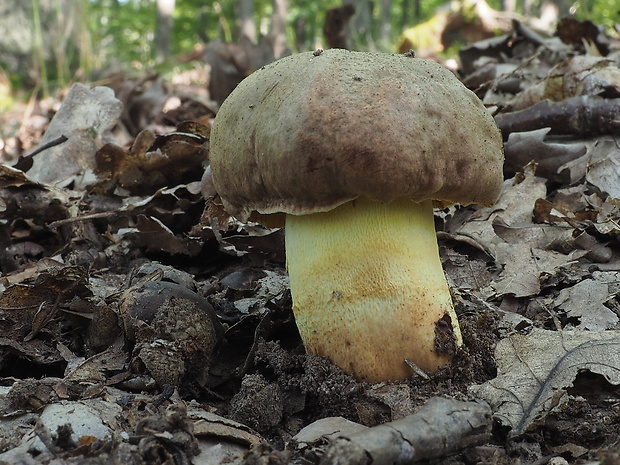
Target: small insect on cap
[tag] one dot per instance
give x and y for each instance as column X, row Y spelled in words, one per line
column 313, row 131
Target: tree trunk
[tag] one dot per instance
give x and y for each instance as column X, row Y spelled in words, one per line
column 163, row 28
column 411, row 13
column 385, row 25
column 509, row 6
column 563, row 6
column 40, row 38
column 247, row 27
column 360, row 25
column 278, row 27
column 335, row 28
column 301, row 33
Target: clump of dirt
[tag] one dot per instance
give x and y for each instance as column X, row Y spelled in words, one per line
column 596, row 403
column 258, row 404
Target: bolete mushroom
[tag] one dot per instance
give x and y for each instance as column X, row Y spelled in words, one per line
column 349, row 150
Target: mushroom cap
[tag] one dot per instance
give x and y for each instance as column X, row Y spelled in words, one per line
column 310, row 132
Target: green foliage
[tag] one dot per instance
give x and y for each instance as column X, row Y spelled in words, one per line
column 602, row 12
column 119, row 34
column 424, row 35
column 6, row 99
column 312, row 13
column 122, row 31
column 43, row 43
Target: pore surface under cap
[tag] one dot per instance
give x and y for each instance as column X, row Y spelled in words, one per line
column 308, row 133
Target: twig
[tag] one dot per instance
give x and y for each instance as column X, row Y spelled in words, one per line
column 52, row 143
column 90, row 216
column 581, row 116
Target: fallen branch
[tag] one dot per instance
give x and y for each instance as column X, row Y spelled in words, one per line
column 579, row 116
column 441, row 427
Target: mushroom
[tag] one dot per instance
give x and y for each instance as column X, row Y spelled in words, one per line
column 349, row 150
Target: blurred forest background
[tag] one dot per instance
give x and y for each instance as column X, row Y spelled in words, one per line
column 48, row 44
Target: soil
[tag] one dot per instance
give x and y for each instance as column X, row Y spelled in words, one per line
column 260, row 377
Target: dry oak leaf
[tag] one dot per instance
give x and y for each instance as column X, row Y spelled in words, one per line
column 514, row 207
column 524, row 266
column 550, row 154
column 535, row 370
column 603, row 169
column 582, row 75
column 586, row 301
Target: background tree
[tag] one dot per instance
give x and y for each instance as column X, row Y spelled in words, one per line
column 385, row 24
column 52, row 42
column 278, row 32
column 43, row 41
column 247, row 26
column 360, row 26
column 163, row 28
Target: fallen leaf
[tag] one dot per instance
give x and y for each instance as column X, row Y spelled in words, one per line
column 221, row 440
column 586, row 301
column 534, row 371
column 396, row 396
column 154, row 161
column 583, row 75
column 604, row 167
column 574, row 32
column 465, row 272
column 539, row 236
column 550, row 154
column 158, row 237
column 524, row 265
column 608, row 219
column 515, row 206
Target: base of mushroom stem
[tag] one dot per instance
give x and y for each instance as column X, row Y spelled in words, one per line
column 368, row 288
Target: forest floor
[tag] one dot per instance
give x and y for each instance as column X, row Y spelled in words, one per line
column 143, row 325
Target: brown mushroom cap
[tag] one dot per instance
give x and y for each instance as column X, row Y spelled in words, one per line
column 309, row 132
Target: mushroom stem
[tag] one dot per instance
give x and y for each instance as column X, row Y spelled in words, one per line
column 369, row 290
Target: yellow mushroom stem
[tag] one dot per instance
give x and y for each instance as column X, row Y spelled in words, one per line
column 369, row 290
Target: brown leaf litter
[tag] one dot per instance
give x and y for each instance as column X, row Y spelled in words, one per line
column 142, row 324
